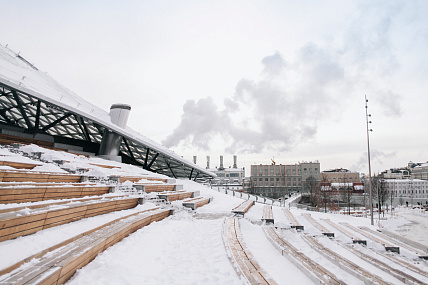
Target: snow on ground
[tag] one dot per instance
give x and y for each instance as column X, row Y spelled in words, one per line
column 187, row 248
column 177, row 250
column 22, row 247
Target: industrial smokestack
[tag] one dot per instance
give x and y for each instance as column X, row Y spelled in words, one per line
column 208, row 162
column 194, row 159
column 221, row 162
column 234, row 161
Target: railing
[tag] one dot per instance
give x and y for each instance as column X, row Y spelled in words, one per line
column 256, row 198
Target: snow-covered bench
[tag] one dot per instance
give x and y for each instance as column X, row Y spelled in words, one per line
column 65, row 258
column 293, row 221
column 24, row 222
column 244, row 262
column 267, row 214
column 20, row 193
column 33, row 176
column 242, row 208
column 197, row 202
column 175, row 195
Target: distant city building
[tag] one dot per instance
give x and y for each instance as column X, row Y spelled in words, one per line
column 420, row 171
column 340, row 175
column 276, row 181
column 408, row 191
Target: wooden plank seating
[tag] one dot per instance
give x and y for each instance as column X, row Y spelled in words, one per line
column 20, row 223
column 388, row 246
column 34, row 192
column 242, row 259
column 347, row 233
column 293, row 222
column 64, row 259
column 195, row 203
column 268, row 215
column 9, row 139
column 138, row 178
column 323, row 229
column 175, row 195
column 24, row 176
column 150, row 188
column 19, row 165
column 242, row 208
column 316, row 272
column 42, row 205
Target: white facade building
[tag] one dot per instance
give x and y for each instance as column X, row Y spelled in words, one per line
column 411, row 192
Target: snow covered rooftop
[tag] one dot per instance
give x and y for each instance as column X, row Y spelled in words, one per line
column 34, row 101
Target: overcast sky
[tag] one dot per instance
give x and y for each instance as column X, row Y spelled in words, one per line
column 259, row 79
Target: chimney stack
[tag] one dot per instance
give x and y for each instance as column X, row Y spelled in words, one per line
column 208, row 162
column 221, row 163
column 234, row 161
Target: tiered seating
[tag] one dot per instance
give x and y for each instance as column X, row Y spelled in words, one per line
column 175, row 195
column 138, row 178
column 388, row 246
column 31, row 192
column 345, row 232
column 149, row 188
column 19, row 223
column 197, row 202
column 242, row 208
column 293, row 222
column 26, row 176
column 242, row 259
column 267, row 214
column 64, row 259
column 19, row 165
column 8, row 140
column 323, row 229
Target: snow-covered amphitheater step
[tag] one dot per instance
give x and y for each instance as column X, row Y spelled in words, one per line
column 242, row 208
column 58, row 263
column 194, row 203
column 27, row 221
column 242, row 259
column 20, row 192
column 268, row 215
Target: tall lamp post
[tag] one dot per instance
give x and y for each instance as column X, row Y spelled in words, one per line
column 368, row 157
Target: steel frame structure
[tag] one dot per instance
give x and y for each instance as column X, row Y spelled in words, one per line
column 33, row 115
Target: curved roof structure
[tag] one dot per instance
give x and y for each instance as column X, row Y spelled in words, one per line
column 33, row 104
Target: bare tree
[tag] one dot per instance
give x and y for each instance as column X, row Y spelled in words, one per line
column 312, row 186
column 346, row 192
column 324, row 193
column 381, row 190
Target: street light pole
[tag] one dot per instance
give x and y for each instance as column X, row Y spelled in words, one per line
column 368, row 156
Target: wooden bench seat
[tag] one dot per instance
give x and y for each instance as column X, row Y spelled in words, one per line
column 242, row 259
column 175, row 195
column 150, row 188
column 138, row 178
column 15, row 224
column 64, row 259
column 9, row 139
column 33, row 192
column 26, row 176
column 267, row 214
column 19, row 165
column 195, row 203
column 323, row 229
column 293, row 221
column 242, row 208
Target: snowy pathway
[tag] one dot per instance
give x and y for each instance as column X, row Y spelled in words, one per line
column 177, row 250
